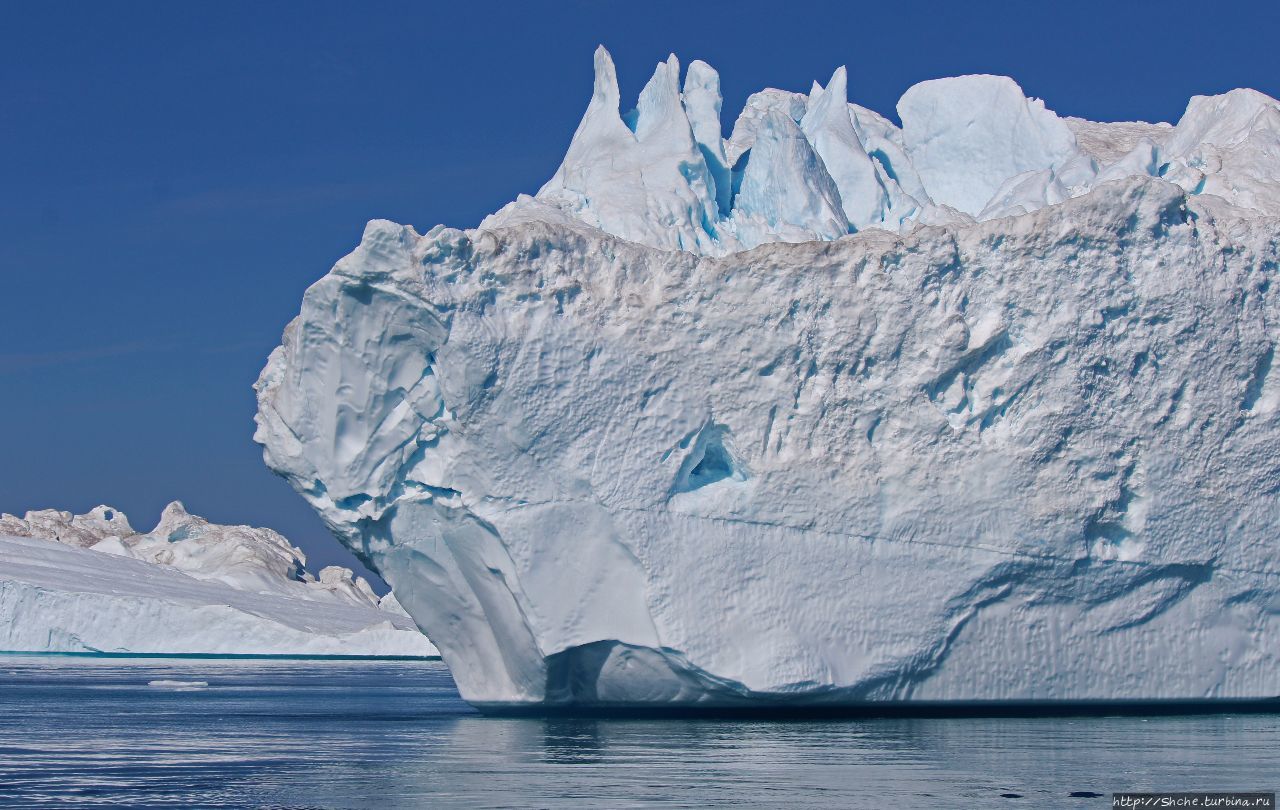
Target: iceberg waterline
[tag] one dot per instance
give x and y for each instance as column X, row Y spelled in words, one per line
column 987, row 412
column 90, row 583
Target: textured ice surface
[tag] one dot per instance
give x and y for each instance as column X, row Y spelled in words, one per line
column 1019, row 443
column 188, row 586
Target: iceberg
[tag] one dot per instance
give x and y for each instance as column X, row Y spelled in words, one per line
column 90, row 583
column 976, row 408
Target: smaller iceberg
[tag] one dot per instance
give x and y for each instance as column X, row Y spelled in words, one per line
column 90, row 583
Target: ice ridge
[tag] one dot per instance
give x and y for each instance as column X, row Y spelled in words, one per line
column 815, row 167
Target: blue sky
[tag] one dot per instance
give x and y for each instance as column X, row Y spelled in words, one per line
column 173, row 176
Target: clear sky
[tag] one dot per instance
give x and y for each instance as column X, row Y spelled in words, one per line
column 173, row 176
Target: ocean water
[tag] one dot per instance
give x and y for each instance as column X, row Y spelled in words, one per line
column 338, row 734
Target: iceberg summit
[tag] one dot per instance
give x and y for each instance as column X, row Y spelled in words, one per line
column 977, row 408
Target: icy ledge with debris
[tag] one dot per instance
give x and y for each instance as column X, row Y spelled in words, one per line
column 988, row 413
column 90, row 583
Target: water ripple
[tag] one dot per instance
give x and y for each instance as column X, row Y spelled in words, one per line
column 350, row 734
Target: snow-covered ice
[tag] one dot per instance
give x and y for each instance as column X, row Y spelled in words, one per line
column 981, row 407
column 90, row 583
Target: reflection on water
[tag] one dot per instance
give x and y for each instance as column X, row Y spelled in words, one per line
column 351, row 734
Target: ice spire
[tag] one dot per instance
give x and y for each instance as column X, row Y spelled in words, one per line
column 702, row 104
column 785, row 185
column 651, row 184
column 601, row 127
column 830, row 130
column 604, row 92
column 658, row 110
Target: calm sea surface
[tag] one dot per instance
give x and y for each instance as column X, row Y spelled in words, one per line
column 93, row 732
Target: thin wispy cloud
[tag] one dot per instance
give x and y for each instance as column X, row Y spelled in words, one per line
column 26, row 361
column 12, row 362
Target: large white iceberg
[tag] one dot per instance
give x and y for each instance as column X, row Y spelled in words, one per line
column 90, row 583
column 976, row 409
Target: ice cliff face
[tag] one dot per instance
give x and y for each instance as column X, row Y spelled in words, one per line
column 988, row 413
column 188, row 586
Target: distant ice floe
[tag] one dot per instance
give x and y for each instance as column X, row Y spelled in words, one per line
column 182, row 686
